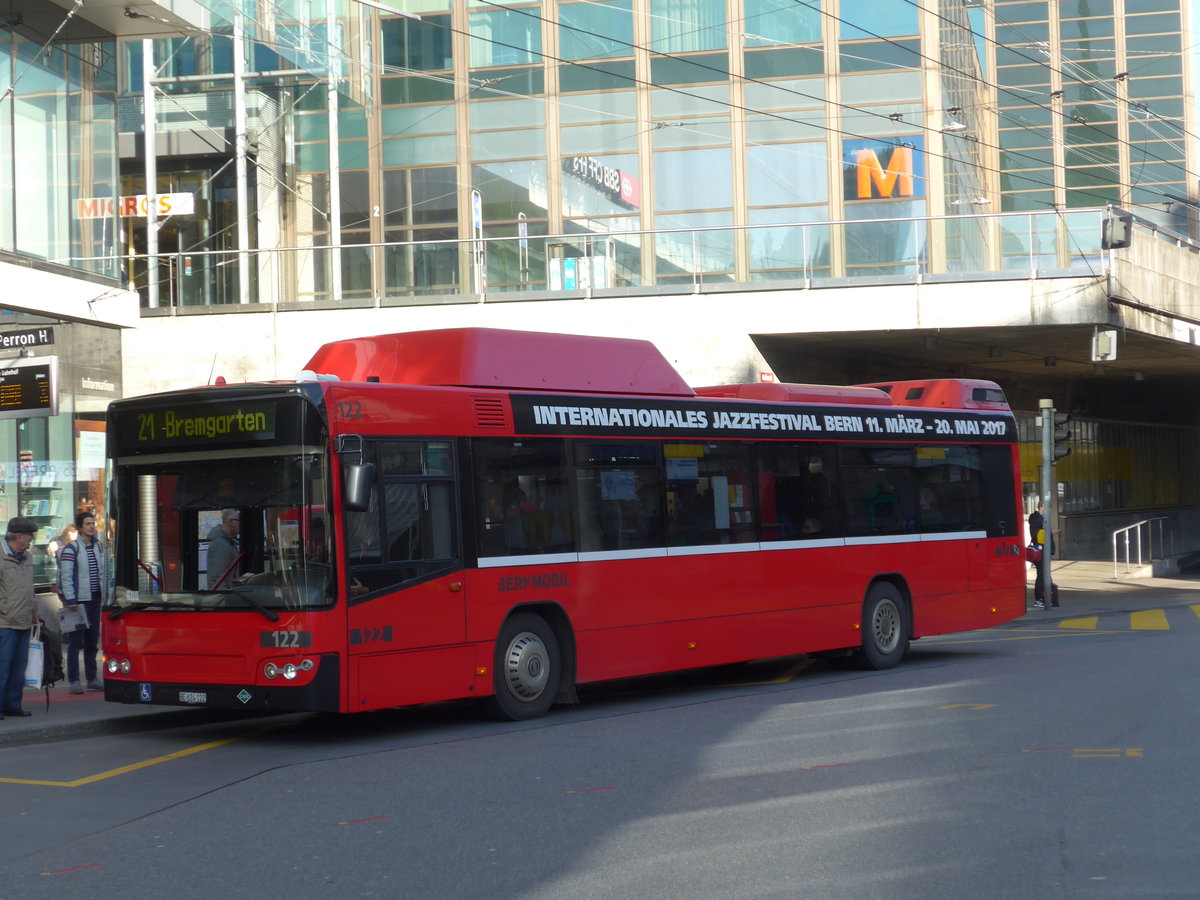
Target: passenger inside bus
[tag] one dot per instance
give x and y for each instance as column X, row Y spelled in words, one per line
column 516, row 508
column 315, row 549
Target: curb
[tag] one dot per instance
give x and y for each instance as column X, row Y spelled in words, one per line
column 109, row 725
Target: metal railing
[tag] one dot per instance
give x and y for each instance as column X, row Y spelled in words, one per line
column 801, row 254
column 1121, row 540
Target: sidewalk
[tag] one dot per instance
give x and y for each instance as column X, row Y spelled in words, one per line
column 1088, row 587
column 1085, row 588
column 85, row 715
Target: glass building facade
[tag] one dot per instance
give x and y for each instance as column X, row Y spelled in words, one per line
column 59, row 239
column 58, row 113
column 471, row 147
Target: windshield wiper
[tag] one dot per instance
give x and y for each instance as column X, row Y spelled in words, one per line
column 239, row 592
column 121, row 610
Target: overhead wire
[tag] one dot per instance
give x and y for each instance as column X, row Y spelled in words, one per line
column 1039, row 60
column 1101, row 198
column 732, row 106
column 1025, row 178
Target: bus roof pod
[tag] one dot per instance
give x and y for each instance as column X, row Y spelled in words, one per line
column 779, row 392
column 951, row 393
column 498, row 358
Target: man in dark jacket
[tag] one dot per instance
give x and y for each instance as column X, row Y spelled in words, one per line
column 17, row 612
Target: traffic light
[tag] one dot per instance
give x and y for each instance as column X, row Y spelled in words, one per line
column 1062, row 434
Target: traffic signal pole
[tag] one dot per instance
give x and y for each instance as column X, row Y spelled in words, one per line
column 1055, row 437
column 1046, row 408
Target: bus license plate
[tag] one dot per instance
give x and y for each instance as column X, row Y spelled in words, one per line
column 193, row 697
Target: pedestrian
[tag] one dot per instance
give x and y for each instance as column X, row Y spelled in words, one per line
column 17, row 612
column 1037, row 537
column 224, row 557
column 1037, row 523
column 84, row 569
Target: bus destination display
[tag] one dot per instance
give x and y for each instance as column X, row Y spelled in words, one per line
column 217, row 423
column 28, row 391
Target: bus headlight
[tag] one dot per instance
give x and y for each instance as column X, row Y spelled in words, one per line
column 288, row 671
column 117, row 665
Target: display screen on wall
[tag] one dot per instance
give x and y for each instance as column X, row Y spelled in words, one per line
column 29, row 388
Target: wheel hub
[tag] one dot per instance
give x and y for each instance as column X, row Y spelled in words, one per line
column 526, row 667
column 886, row 627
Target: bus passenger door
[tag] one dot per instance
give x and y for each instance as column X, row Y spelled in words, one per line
column 405, row 591
column 403, row 556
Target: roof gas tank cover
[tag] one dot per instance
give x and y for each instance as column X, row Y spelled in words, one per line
column 498, row 358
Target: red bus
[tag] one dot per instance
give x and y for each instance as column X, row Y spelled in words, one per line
column 506, row 515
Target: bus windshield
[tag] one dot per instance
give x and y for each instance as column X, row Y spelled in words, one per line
column 227, row 533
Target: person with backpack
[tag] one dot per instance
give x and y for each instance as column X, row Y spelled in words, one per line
column 18, row 612
column 1037, row 539
column 83, row 575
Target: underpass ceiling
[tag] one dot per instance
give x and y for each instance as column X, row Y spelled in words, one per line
column 94, row 20
column 1151, row 378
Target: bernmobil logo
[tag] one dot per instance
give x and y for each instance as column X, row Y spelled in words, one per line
column 884, row 170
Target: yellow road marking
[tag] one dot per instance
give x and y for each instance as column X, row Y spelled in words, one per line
column 782, row 679
column 132, row 767
column 1196, row 608
column 1086, row 622
column 974, row 706
column 1149, row 620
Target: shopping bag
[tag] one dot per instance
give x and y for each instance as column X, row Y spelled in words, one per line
column 1033, row 554
column 33, row 667
column 72, row 619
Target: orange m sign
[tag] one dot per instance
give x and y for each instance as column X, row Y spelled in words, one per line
column 894, row 181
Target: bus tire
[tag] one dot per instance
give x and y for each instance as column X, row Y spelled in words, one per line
column 885, row 631
column 526, row 669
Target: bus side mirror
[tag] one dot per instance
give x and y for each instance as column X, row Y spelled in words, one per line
column 358, row 482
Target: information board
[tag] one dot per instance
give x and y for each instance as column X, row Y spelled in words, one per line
column 29, row 388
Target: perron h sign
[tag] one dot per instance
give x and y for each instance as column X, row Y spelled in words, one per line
column 29, row 387
column 878, row 169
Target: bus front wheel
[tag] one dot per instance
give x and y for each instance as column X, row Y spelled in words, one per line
column 885, row 632
column 526, row 669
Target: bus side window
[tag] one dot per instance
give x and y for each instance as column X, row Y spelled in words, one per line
column 710, row 497
column 619, row 495
column 879, row 486
column 419, row 522
column 951, row 489
column 1000, row 517
column 412, row 535
column 362, row 538
column 799, row 498
column 524, row 502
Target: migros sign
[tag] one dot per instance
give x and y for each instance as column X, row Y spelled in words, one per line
column 176, row 204
column 884, row 170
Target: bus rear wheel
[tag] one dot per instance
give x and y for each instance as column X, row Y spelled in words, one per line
column 526, row 669
column 885, row 631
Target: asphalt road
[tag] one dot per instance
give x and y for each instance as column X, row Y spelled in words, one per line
column 1034, row 760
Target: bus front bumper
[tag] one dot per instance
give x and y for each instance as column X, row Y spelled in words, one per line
column 319, row 695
